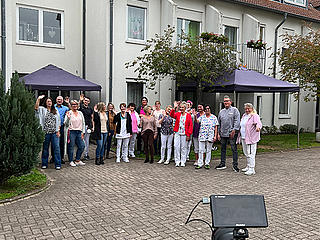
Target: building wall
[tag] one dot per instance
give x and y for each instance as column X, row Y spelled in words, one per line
column 26, row 58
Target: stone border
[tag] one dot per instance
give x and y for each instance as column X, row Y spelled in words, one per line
column 29, row 194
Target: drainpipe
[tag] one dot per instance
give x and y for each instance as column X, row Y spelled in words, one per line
column 3, row 41
column 111, row 52
column 275, row 61
column 84, row 39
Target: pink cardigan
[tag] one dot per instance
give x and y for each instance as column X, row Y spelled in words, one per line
column 252, row 136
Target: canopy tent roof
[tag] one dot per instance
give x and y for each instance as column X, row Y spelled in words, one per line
column 243, row 80
column 54, row 78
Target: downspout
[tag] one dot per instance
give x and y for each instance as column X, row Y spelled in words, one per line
column 111, row 52
column 84, row 39
column 3, row 41
column 275, row 62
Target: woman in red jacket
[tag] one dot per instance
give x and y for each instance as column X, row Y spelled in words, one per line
column 183, row 129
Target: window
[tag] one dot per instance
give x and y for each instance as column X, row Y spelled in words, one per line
column 136, row 23
column 189, row 27
column 35, row 25
column 284, row 103
column 232, row 34
column 297, row 2
column 259, row 104
column 51, row 27
column 262, row 33
column 134, row 92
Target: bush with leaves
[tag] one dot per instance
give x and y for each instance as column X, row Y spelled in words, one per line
column 269, row 130
column 289, row 129
column 21, row 136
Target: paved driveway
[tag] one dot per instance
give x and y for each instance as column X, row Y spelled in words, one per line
column 152, row 201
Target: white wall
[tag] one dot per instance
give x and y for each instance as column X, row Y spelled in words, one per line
column 28, row 58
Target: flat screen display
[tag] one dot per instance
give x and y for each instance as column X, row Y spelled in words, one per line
column 238, row 211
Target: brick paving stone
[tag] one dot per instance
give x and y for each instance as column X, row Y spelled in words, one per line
column 152, row 201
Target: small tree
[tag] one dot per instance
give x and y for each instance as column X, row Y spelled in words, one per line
column 21, row 136
column 198, row 59
column 300, row 62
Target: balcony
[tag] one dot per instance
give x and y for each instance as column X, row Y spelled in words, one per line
column 251, row 58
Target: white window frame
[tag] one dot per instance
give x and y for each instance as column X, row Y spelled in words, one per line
column 184, row 24
column 137, row 41
column 262, row 26
column 295, row 3
column 134, row 80
column 238, row 37
column 287, row 115
column 40, row 27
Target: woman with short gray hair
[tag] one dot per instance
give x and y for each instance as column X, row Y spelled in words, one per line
column 250, row 126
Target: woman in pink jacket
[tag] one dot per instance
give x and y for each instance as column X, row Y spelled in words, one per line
column 250, row 126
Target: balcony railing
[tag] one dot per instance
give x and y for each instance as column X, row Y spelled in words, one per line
column 251, row 58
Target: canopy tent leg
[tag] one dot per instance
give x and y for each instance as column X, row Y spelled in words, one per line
column 235, row 98
column 99, row 96
column 298, row 122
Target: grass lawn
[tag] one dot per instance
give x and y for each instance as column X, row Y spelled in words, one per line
column 20, row 185
column 269, row 143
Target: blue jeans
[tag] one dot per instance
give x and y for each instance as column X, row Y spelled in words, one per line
column 109, row 140
column 224, row 142
column 101, row 145
column 75, row 139
column 54, row 139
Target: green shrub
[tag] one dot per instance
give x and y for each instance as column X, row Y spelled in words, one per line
column 289, row 129
column 269, row 130
column 21, row 136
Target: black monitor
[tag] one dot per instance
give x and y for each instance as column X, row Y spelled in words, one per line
column 238, row 211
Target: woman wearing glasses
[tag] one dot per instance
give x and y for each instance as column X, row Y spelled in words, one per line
column 207, row 136
column 74, row 132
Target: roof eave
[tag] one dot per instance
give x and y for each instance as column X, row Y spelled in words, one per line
column 274, row 10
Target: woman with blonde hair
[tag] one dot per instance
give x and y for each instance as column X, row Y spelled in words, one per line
column 250, row 126
column 75, row 127
column 100, row 133
column 148, row 132
column 183, row 129
column 111, row 127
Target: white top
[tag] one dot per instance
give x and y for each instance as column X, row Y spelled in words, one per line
column 156, row 114
column 123, row 130
column 243, row 123
column 182, row 124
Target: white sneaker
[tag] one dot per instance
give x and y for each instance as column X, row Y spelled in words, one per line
column 177, row 164
column 44, row 167
column 250, row 172
column 161, row 161
column 118, row 160
column 183, row 164
column 245, row 169
column 72, row 164
column 195, row 163
column 167, row 162
column 58, row 168
column 126, row 160
column 132, row 155
column 79, row 163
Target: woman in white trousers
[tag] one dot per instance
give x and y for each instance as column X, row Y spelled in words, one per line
column 183, row 129
column 250, row 126
column 207, row 136
column 166, row 135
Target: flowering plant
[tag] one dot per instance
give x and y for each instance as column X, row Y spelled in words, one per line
column 256, row 44
column 213, row 37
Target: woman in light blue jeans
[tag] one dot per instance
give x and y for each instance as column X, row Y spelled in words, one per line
column 74, row 132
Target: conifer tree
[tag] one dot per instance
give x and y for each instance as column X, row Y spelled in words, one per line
column 21, row 136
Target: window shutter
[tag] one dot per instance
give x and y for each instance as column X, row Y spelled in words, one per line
column 168, row 14
column 213, row 19
column 250, row 28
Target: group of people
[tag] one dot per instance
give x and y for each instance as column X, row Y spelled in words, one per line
column 179, row 125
